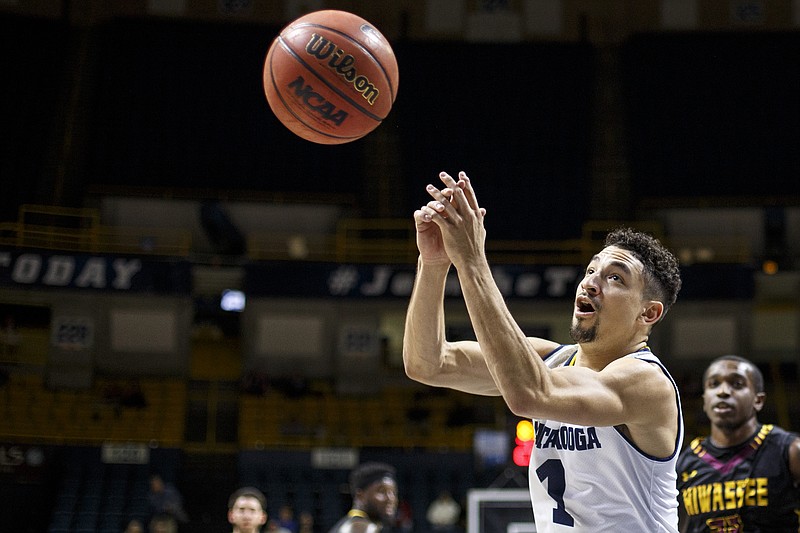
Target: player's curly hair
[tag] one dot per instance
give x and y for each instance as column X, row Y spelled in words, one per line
column 661, row 272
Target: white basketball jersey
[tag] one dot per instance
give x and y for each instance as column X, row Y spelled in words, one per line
column 587, row 478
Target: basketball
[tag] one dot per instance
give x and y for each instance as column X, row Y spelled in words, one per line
column 330, row 77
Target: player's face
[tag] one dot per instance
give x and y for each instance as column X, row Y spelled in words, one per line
column 381, row 500
column 729, row 399
column 247, row 515
column 612, row 288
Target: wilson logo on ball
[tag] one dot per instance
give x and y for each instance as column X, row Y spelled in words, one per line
column 343, row 65
column 330, row 77
column 316, row 102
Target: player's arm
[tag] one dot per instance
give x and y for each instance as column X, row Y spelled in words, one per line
column 428, row 356
column 794, row 459
column 627, row 391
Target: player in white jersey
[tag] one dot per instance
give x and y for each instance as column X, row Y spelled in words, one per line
column 611, row 481
column 607, row 413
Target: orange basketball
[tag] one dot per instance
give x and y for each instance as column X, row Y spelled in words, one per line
column 330, row 77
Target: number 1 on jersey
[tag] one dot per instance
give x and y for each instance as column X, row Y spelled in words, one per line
column 553, row 471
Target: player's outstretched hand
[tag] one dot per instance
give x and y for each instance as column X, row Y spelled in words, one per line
column 429, row 236
column 454, row 210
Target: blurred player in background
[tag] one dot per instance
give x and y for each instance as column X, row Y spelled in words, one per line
column 374, row 489
column 246, row 510
column 606, row 412
column 744, row 476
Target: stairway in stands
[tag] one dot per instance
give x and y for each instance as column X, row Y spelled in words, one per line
column 206, row 480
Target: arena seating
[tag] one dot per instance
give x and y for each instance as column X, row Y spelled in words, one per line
column 37, row 413
column 98, row 497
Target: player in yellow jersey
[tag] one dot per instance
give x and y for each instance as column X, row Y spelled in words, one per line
column 744, row 476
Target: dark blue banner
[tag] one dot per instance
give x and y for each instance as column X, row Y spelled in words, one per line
column 90, row 272
column 333, row 280
column 329, row 280
column 321, row 280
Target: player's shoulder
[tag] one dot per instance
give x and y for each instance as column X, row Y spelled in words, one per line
column 778, row 430
column 786, row 439
column 778, row 436
column 696, row 446
column 790, row 446
column 553, row 353
column 642, row 363
column 548, row 349
column 362, row 525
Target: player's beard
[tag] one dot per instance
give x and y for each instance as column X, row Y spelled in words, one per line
column 580, row 334
column 727, row 425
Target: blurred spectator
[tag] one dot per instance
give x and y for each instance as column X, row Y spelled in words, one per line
column 134, row 526
column 166, row 502
column 286, row 518
column 273, row 526
column 132, row 395
column 162, row 523
column 128, row 395
column 305, row 522
column 443, row 513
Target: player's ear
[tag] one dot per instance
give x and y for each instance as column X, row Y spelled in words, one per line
column 758, row 402
column 652, row 312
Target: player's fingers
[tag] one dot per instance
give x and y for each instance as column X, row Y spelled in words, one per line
column 442, row 203
column 421, row 217
column 447, row 179
column 460, row 197
column 450, row 187
column 466, row 185
column 439, row 194
column 434, row 211
column 440, row 207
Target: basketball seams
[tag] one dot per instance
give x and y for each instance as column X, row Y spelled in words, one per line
column 317, row 68
column 303, row 120
column 367, row 113
column 375, row 60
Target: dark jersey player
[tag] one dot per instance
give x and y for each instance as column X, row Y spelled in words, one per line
column 744, row 476
column 374, row 489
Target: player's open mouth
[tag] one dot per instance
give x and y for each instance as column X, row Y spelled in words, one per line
column 583, row 306
column 722, row 407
